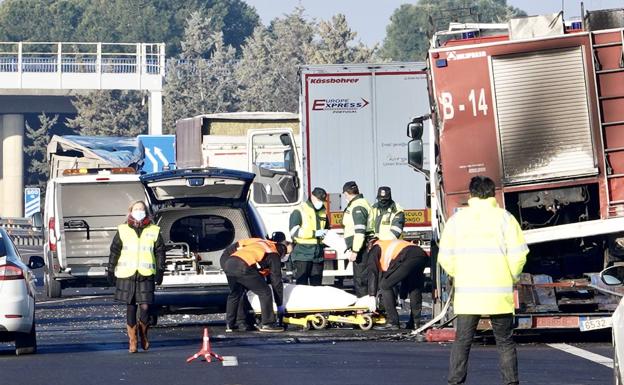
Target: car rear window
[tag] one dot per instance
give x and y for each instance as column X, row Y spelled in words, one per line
column 99, row 199
column 203, row 233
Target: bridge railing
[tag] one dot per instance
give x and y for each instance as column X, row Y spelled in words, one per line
column 27, row 59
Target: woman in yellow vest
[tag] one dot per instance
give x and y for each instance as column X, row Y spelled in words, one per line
column 136, row 263
column 248, row 264
column 391, row 263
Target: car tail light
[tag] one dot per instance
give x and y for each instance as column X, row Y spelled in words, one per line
column 10, row 272
column 51, row 234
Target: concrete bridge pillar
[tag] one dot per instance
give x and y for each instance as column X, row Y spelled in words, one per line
column 13, row 165
column 155, row 113
column 1, row 170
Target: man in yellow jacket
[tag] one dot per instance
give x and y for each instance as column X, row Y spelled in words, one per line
column 483, row 249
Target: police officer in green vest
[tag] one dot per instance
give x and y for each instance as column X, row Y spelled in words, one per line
column 308, row 225
column 358, row 229
column 388, row 216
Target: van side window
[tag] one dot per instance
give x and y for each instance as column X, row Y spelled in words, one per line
column 203, row 233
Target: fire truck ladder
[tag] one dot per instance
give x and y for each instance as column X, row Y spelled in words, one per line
column 608, row 52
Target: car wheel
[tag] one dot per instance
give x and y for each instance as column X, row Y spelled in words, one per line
column 26, row 343
column 52, row 286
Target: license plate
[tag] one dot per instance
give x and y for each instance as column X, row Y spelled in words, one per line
column 587, row 323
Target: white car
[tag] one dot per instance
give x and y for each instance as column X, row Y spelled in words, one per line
column 17, row 297
column 614, row 276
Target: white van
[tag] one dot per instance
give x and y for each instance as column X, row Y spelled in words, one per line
column 82, row 211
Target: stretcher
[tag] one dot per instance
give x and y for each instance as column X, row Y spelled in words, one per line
column 320, row 319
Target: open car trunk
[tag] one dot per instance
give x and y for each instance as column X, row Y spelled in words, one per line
column 200, row 213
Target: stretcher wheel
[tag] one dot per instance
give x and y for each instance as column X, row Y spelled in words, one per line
column 319, row 322
column 368, row 322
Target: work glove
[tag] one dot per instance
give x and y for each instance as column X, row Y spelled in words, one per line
column 371, row 302
column 159, row 277
column 320, row 233
column 281, row 309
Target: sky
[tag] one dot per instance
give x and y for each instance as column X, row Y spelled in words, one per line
column 369, row 18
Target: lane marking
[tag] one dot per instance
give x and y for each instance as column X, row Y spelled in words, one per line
column 229, row 361
column 597, row 358
column 69, row 299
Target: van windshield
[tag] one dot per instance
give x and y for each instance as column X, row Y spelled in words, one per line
column 99, row 199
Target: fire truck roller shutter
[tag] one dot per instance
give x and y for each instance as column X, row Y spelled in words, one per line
column 543, row 116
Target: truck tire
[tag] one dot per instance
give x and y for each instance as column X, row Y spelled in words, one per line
column 52, row 287
column 26, row 343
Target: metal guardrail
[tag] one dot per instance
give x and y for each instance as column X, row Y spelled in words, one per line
column 22, row 232
column 72, row 57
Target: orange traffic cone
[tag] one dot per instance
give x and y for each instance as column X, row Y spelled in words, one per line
column 205, row 351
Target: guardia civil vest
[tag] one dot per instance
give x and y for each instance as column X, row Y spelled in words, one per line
column 387, row 223
column 137, row 254
column 305, row 233
column 355, row 234
column 390, row 250
column 483, row 249
column 253, row 250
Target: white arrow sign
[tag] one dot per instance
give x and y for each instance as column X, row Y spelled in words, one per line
column 161, row 156
column 152, row 159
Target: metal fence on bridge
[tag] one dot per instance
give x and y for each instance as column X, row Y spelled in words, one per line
column 22, row 231
column 81, row 65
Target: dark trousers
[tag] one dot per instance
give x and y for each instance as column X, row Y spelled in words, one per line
column 466, row 326
column 360, row 273
column 308, row 273
column 410, row 274
column 240, row 281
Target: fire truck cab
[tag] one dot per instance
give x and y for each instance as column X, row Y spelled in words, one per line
column 538, row 106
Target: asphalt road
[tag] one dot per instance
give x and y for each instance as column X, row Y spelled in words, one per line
column 82, row 340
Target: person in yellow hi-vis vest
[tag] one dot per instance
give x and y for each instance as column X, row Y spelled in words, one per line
column 136, row 266
column 483, row 249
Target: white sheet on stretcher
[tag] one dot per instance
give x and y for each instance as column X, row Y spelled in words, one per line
column 303, row 297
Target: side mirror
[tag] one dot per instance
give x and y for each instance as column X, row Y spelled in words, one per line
column 37, row 220
column 278, row 237
column 285, row 139
column 613, row 276
column 415, row 153
column 36, row 262
column 415, row 128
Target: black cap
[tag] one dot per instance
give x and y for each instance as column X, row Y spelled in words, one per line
column 320, row 193
column 349, row 185
column 384, row 193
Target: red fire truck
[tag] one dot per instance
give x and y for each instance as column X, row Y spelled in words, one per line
column 538, row 106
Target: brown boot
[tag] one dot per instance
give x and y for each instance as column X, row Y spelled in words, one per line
column 143, row 333
column 132, row 338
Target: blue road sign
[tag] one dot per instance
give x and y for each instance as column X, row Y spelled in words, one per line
column 32, row 201
column 159, row 152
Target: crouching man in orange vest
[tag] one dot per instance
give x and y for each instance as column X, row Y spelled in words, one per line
column 248, row 264
column 391, row 263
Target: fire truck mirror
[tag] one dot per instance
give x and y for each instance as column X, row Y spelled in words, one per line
column 415, row 153
column 415, row 128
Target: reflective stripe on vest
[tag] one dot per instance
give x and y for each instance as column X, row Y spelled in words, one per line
column 390, row 250
column 386, row 218
column 308, row 224
column 253, row 250
column 350, row 228
column 137, row 254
